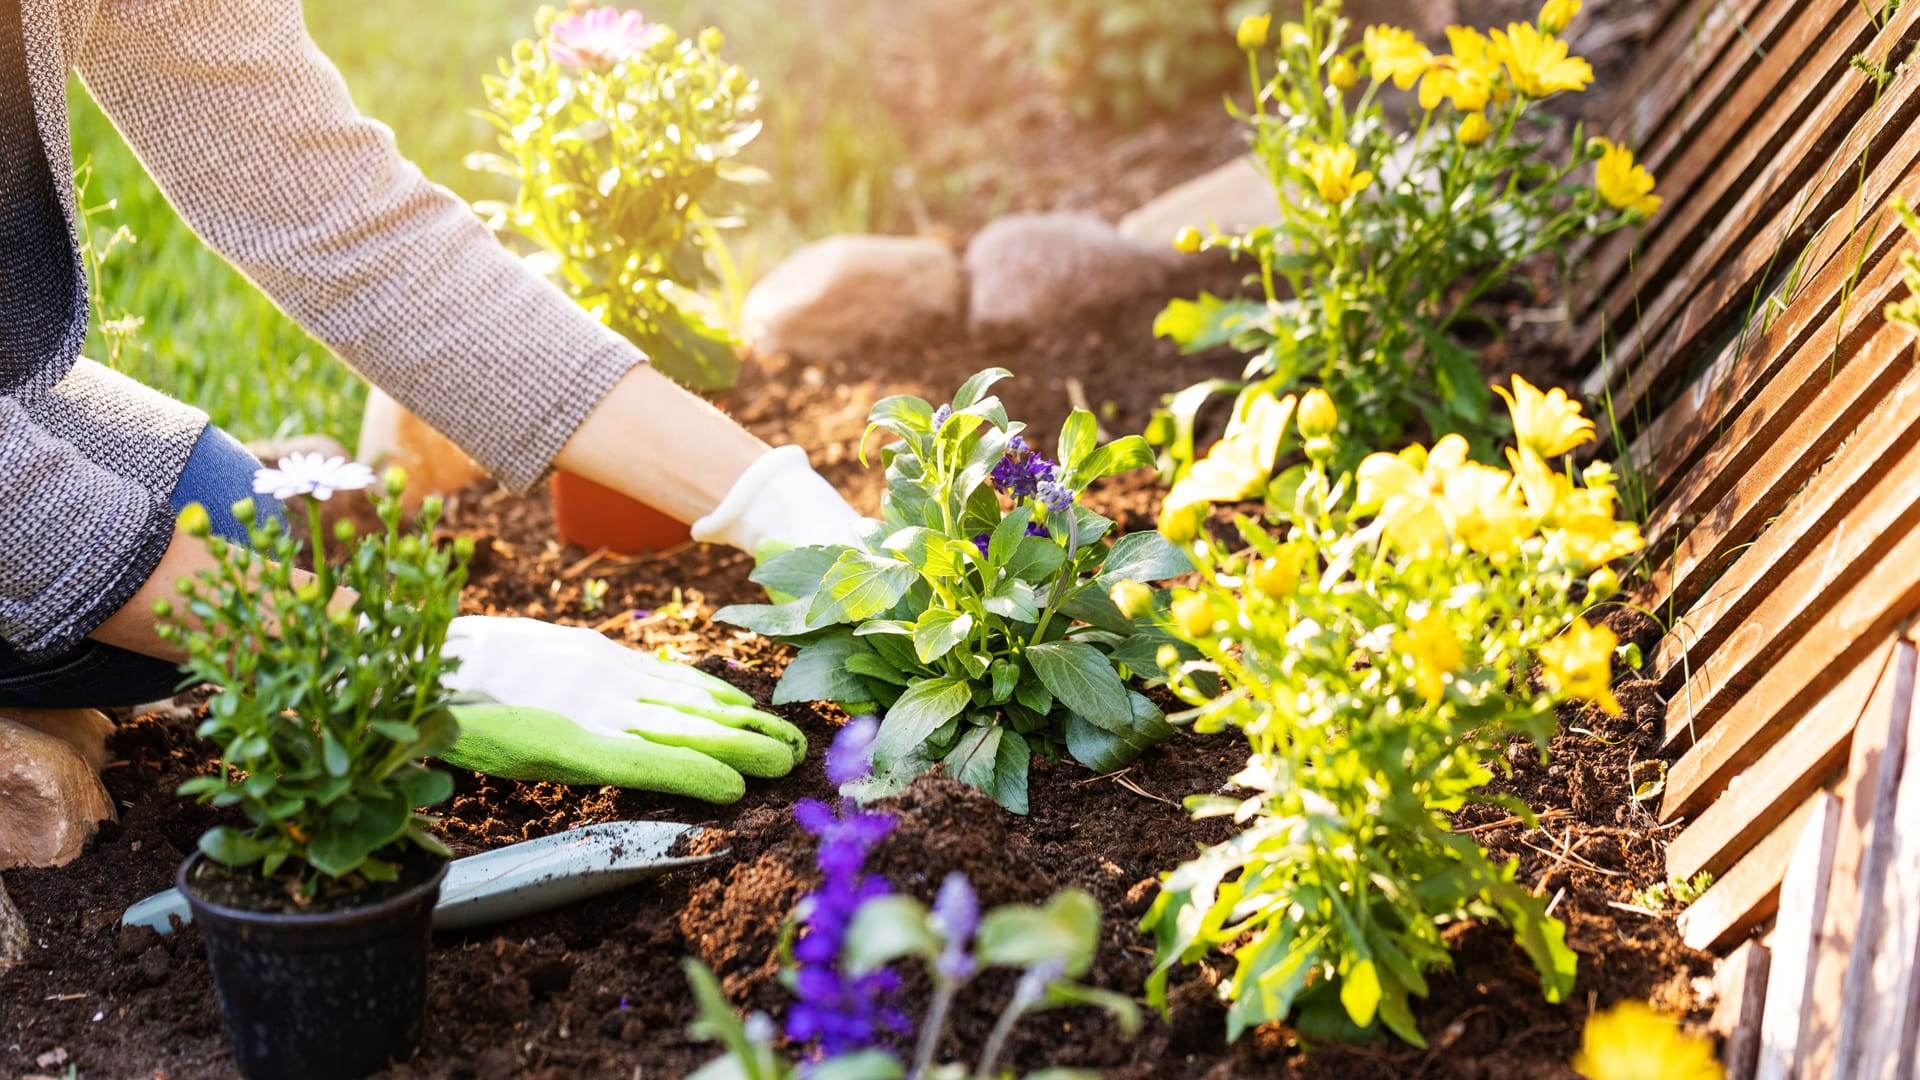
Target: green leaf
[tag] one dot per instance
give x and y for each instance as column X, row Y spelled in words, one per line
column 929, row 552
column 873, row 667
column 938, row 631
column 1036, row 560
column 1119, row 1006
column 917, row 714
column 1005, row 675
column 1096, row 748
column 788, row 620
column 1013, row 599
column 1120, row 456
column 819, row 672
column 972, row 759
column 1360, row 991
column 1145, row 556
column 229, row 846
column 796, row 572
column 1081, row 678
column 860, row 1065
column 1011, row 760
column 885, row 929
column 1077, row 438
column 332, row 753
column 1034, row 696
column 859, row 586
column 1067, row 929
column 970, row 391
column 1008, row 534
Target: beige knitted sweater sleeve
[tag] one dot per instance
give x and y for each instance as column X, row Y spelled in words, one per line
column 251, row 134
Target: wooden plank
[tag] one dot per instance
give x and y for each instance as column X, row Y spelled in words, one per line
column 1758, row 238
column 1864, row 230
column 1764, row 144
column 1793, row 768
column 1801, row 592
column 1890, row 1012
column 1795, row 947
column 1833, row 644
column 1819, row 530
column 1794, row 430
column 1671, row 77
column 1749, row 894
column 1740, row 989
column 1861, row 855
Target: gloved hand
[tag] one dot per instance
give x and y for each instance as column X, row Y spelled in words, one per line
column 779, row 503
column 538, row 701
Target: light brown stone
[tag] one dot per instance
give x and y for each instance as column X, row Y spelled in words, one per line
column 390, row 435
column 1232, row 198
column 1033, row 270
column 830, row 297
column 51, row 798
column 13, row 929
column 86, row 730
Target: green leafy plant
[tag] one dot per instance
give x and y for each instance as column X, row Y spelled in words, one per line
column 1376, row 637
column 622, row 138
column 982, row 628
column 326, row 709
column 1386, row 239
column 1674, row 892
column 1124, row 60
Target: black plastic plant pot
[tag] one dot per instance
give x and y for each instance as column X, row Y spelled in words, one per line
column 333, row 995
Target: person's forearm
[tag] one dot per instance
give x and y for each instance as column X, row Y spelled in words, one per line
column 135, row 628
column 655, row 441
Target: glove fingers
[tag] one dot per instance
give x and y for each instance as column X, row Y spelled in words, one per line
column 741, row 748
column 691, row 679
column 535, row 745
column 747, row 718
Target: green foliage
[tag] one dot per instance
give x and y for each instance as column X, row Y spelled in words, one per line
column 1376, row 637
column 1124, row 60
column 621, row 174
column 984, row 631
column 1387, row 238
column 324, row 715
column 1674, row 892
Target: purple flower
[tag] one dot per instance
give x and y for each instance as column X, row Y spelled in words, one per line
column 1056, row 497
column 983, row 542
column 850, row 757
column 842, row 1012
column 956, row 915
column 1034, row 528
column 597, row 38
column 940, row 416
column 1022, row 470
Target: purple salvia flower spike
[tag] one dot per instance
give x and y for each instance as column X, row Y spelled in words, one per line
column 850, row 758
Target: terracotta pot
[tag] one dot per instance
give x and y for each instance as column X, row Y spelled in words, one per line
column 594, row 516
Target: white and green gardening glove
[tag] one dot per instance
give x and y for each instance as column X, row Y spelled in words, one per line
column 777, row 504
column 537, row 701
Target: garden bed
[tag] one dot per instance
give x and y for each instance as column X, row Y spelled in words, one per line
column 596, row 990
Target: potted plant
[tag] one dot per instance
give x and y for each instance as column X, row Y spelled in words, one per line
column 317, row 910
column 620, row 137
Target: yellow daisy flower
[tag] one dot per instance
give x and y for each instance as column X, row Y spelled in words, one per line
column 1432, row 651
column 1579, row 663
column 1556, row 14
column 1623, row 183
column 1474, row 129
column 1549, row 423
column 1333, row 172
column 1396, row 54
column 1632, row 1042
column 1537, row 63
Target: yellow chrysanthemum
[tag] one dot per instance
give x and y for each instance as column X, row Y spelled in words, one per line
column 1556, row 14
column 1333, row 170
column 1427, row 500
column 1624, row 183
column 1537, row 63
column 1485, row 511
column 1632, row 1042
column 1466, row 76
column 1578, row 523
column 1433, row 653
column 1396, row 54
column 1579, row 664
column 1237, row 467
column 1474, row 129
column 1342, row 74
column 1548, row 423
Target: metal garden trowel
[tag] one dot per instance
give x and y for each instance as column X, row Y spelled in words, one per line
column 519, row 879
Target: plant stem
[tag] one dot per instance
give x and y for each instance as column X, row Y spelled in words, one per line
column 997, row 1039
column 932, row 1028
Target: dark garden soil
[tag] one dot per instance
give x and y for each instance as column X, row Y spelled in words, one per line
column 596, row 990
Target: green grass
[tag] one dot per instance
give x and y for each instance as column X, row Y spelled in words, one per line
column 210, row 338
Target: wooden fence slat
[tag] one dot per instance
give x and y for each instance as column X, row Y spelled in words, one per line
column 1799, row 595
column 1741, row 986
column 1887, row 593
column 1749, row 894
column 1761, row 150
column 1890, row 1012
column 1672, row 75
column 1862, row 228
column 1790, row 770
column 1860, row 858
column 1800, row 423
column 1820, row 530
column 1754, row 242
column 1802, row 903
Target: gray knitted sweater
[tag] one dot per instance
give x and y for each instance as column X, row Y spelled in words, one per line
column 251, row 135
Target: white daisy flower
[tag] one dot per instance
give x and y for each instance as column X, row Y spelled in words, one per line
column 312, row 474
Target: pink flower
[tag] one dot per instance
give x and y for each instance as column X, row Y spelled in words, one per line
column 597, row 38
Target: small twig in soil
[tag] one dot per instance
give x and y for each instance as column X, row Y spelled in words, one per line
column 1077, row 397
column 584, row 565
column 66, row 997
column 1554, row 814
column 1636, row 909
column 1559, row 857
column 1555, row 902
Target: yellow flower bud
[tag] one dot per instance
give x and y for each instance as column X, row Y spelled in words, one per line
column 664, row 40
column 1279, row 576
column 1474, row 129
column 711, row 39
column 1253, row 32
column 1134, row 600
column 194, row 521
column 1342, row 74
column 343, row 531
column 738, row 82
column 463, row 548
column 183, row 586
column 308, row 593
column 1602, row 585
column 1193, row 614
column 1294, row 36
column 1188, row 241
column 394, row 481
column 1556, row 14
column 1168, row 657
column 1318, row 417
column 244, row 512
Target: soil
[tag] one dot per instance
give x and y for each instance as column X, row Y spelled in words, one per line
column 596, row 990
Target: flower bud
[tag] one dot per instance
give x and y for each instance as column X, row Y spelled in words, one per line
column 1556, row 14
column 1602, row 585
column 711, row 39
column 1279, row 576
column 183, row 586
column 1474, row 129
column 1318, row 417
column 1188, row 241
column 1596, row 148
column 343, row 531
column 737, row 81
column 194, row 521
column 163, row 609
column 1168, row 657
column 1294, row 36
column 244, row 512
column 1134, row 600
column 432, row 506
column 1253, row 32
column 1342, row 74
column 463, row 548
column 1194, row 615
column 394, row 481
column 308, row 593
column 664, row 40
